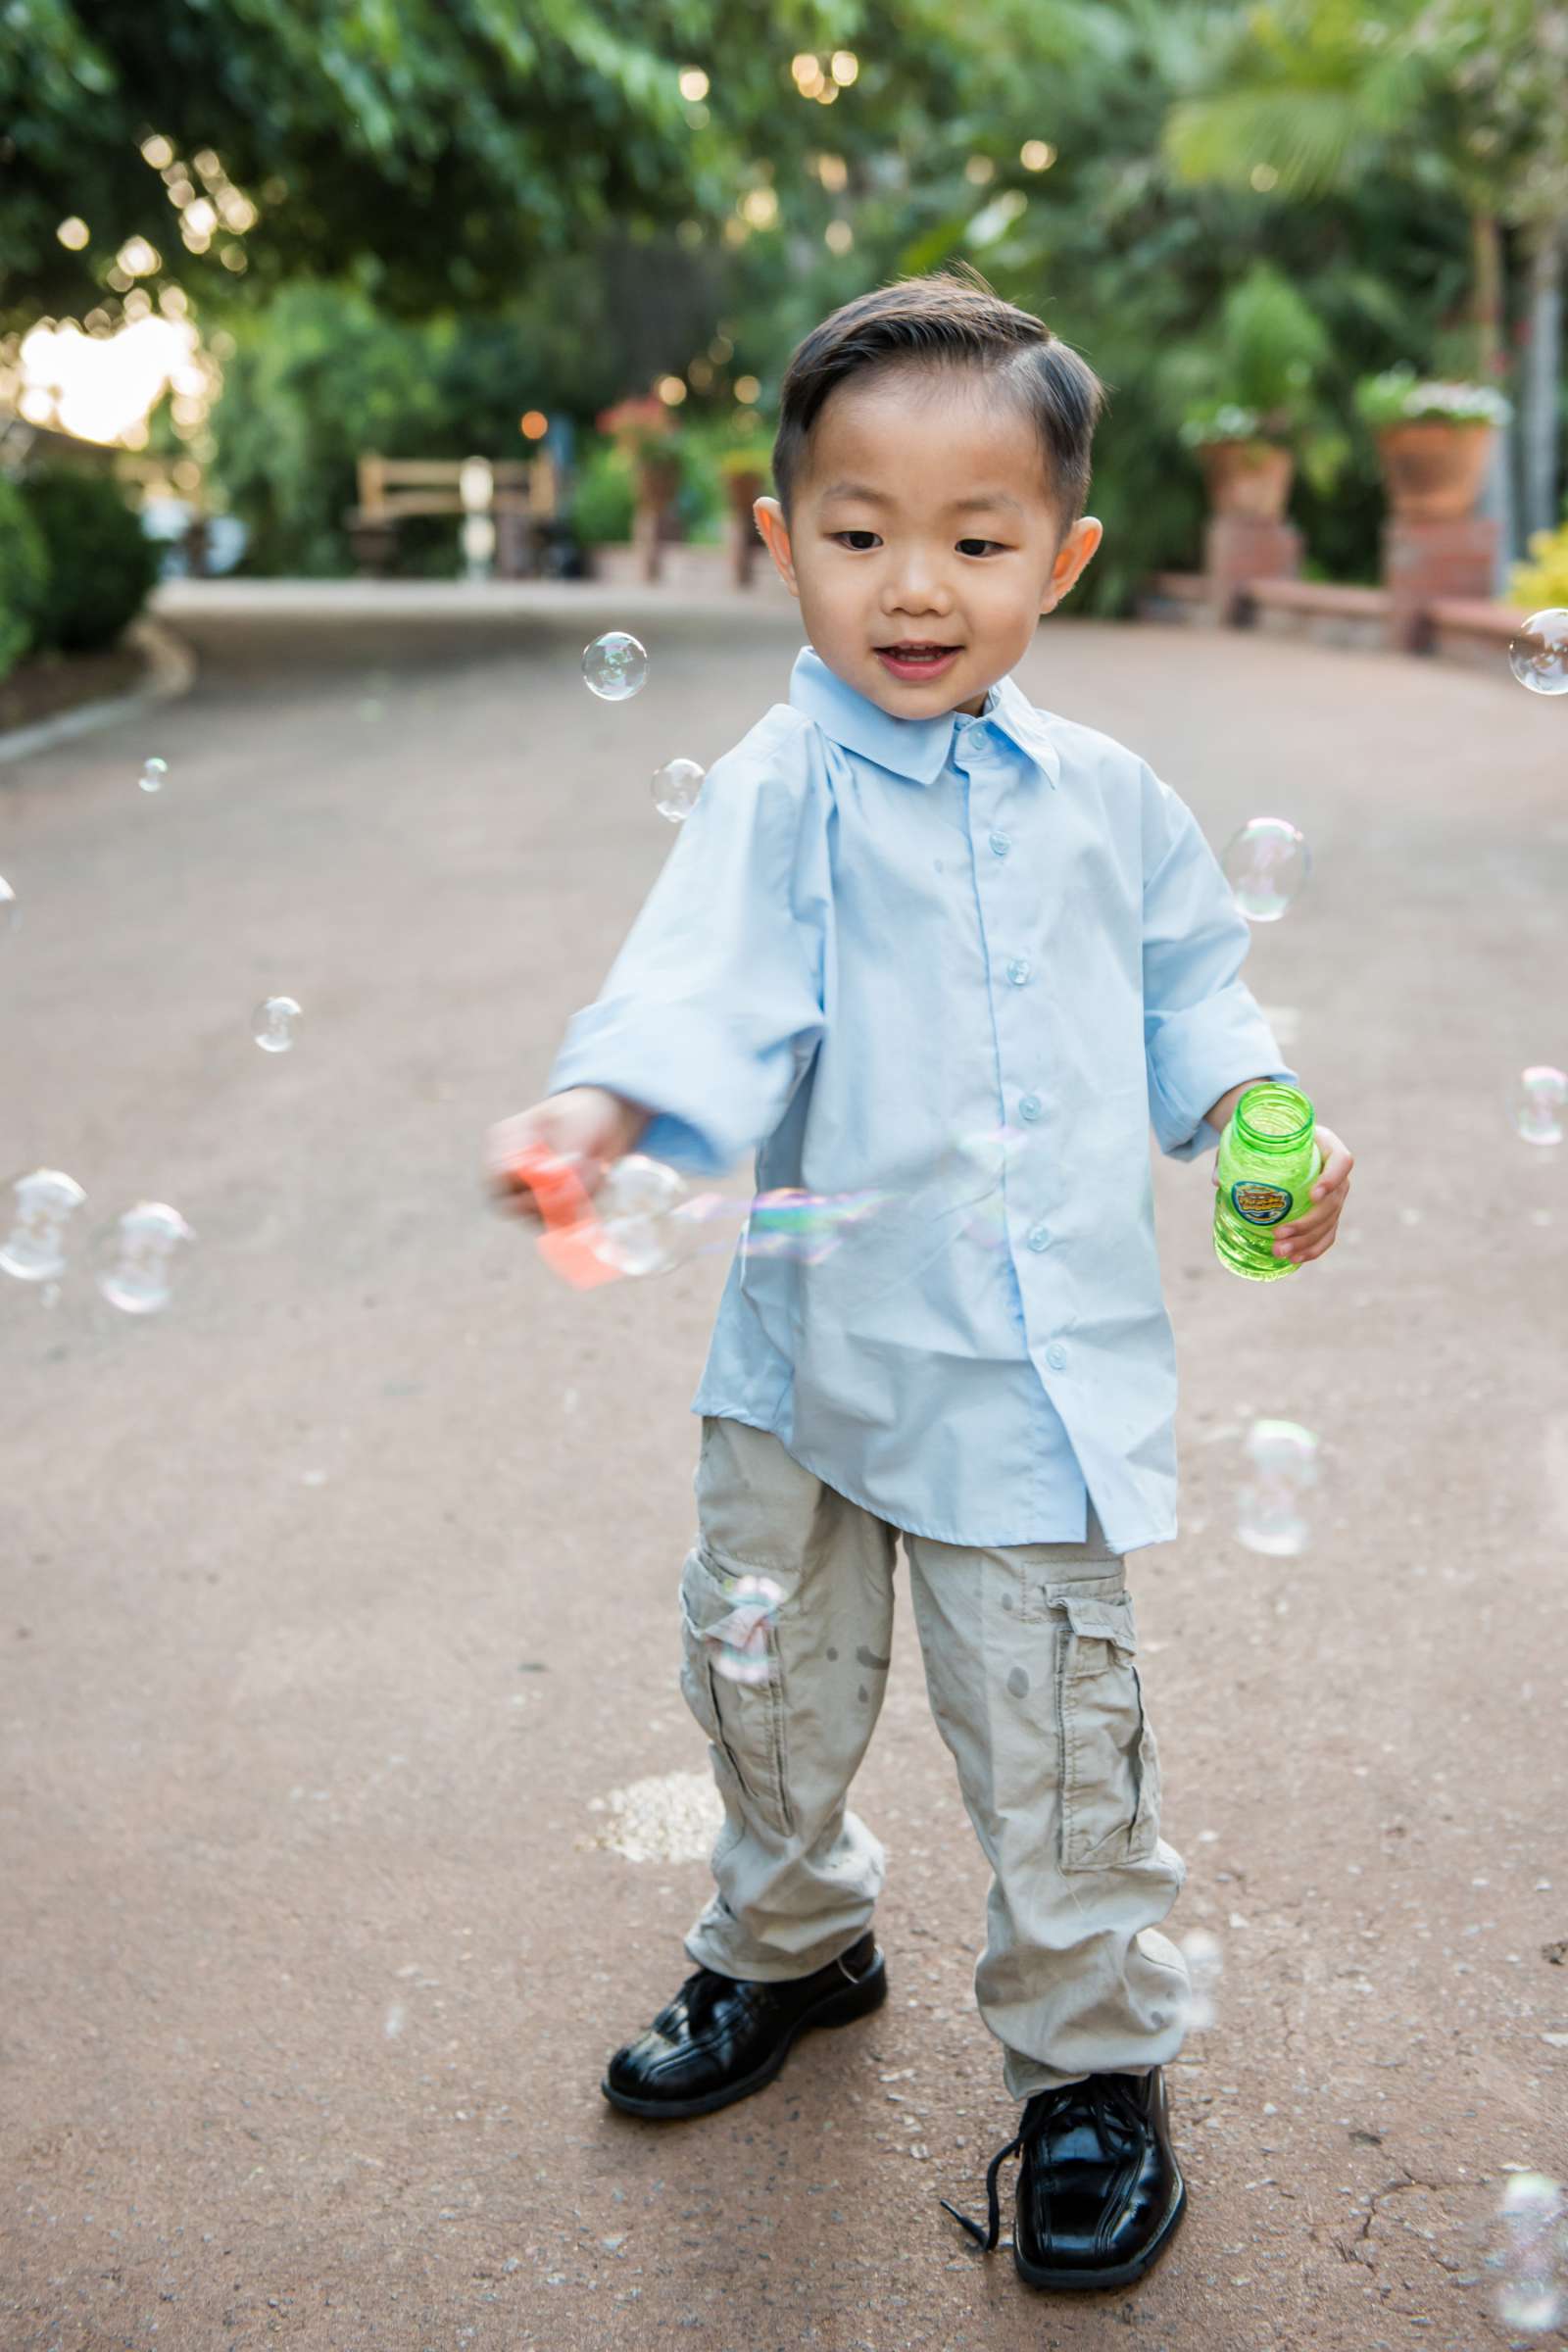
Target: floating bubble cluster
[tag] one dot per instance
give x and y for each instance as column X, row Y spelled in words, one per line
column 1266, row 865
column 1205, row 1956
column 153, row 776
column 675, row 787
column 806, row 1227
column 39, row 1208
column 614, row 666
column 137, row 1256
column 1539, row 655
column 1270, row 1506
column 1533, row 2290
column 275, row 1024
column 1539, row 1100
column 738, row 1644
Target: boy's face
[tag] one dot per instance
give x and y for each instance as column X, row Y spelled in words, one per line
column 924, row 518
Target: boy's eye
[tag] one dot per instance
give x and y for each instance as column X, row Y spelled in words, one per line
column 965, row 546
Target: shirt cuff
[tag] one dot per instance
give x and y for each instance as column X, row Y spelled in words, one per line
column 1198, row 1055
column 713, row 1097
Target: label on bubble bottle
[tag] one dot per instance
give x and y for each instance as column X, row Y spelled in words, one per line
column 1260, row 1204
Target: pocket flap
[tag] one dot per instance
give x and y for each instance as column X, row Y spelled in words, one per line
column 1099, row 1620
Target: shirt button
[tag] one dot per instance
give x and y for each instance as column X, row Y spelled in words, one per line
column 1056, row 1355
column 1029, row 1108
column 1038, row 1239
column 1000, row 845
column 1018, row 970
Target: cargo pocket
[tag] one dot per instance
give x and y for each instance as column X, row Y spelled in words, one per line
column 742, row 1710
column 1109, row 1763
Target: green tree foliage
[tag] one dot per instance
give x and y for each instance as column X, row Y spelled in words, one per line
column 445, row 146
column 554, row 224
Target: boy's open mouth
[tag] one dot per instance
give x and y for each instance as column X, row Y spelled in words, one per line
column 913, row 657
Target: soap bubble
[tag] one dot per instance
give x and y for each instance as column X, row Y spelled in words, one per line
column 675, row 787
column 38, row 1206
column 136, row 1256
column 1539, row 1102
column 8, row 907
column 738, row 1646
column 639, row 1229
column 1534, row 2260
column 1539, row 655
column 1270, row 1509
column 1205, row 1956
column 153, row 774
column 806, row 1227
column 614, row 666
column 1266, row 865
column 275, row 1024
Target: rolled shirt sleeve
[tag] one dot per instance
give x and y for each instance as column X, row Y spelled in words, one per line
column 1203, row 1032
column 713, row 1006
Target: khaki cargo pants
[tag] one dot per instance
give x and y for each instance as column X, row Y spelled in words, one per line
column 1029, row 1657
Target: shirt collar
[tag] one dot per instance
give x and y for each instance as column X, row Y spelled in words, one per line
column 915, row 747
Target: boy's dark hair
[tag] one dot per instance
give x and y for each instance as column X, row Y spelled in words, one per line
column 950, row 320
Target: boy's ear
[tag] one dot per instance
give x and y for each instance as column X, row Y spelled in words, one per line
column 769, row 518
column 1072, row 557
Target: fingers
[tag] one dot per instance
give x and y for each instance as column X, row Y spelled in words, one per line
column 1313, row 1233
column 1338, row 1161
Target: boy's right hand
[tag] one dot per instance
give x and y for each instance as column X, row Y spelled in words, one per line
column 586, row 1126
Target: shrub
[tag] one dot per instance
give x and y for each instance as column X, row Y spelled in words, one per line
column 603, row 498
column 102, row 565
column 1543, row 583
column 23, row 576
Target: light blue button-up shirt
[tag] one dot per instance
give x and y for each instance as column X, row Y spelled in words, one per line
column 874, row 938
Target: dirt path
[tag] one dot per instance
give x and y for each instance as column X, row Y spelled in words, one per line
column 337, row 1597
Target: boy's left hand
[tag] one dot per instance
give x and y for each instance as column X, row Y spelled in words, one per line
column 1312, row 1232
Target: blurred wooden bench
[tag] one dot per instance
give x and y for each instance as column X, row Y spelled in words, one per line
column 519, row 496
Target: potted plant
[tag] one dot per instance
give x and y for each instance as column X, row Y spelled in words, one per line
column 1250, row 394
column 1247, row 466
column 645, row 430
column 744, row 470
column 1434, row 440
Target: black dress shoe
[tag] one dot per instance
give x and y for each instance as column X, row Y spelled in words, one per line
column 1100, row 2193
column 722, row 2038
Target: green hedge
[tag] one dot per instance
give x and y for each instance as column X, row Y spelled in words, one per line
column 23, row 576
column 102, row 565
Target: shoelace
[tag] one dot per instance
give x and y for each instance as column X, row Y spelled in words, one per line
column 1101, row 2096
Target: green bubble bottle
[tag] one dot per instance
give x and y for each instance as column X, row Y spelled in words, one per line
column 1269, row 1159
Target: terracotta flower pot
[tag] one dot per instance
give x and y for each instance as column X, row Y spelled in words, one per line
column 1248, row 477
column 658, row 480
column 1433, row 471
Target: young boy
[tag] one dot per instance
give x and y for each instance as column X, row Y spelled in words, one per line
column 911, row 908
